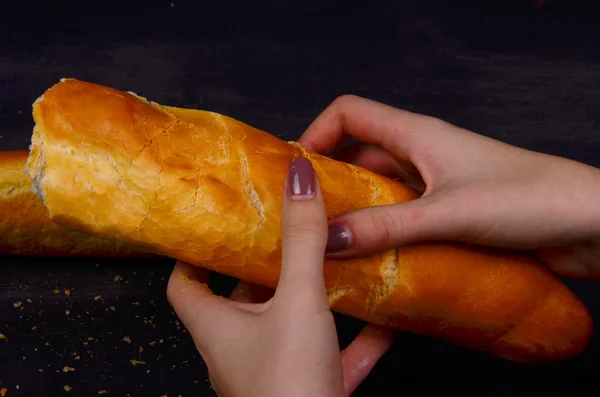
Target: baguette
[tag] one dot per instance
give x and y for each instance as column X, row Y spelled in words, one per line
column 26, row 228
column 207, row 189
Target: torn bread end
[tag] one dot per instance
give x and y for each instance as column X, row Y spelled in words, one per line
column 36, row 164
column 39, row 99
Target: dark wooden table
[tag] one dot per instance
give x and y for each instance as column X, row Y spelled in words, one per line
column 526, row 77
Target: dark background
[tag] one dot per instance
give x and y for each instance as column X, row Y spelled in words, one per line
column 506, row 69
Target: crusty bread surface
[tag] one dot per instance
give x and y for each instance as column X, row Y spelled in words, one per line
column 207, row 189
column 26, row 228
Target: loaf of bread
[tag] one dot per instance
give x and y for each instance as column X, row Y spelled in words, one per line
column 207, row 189
column 27, row 230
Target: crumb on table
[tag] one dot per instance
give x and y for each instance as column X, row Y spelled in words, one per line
column 136, row 362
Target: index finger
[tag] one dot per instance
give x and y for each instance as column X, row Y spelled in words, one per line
column 360, row 357
column 195, row 304
column 368, row 121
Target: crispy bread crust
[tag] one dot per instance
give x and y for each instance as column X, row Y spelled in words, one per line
column 207, row 189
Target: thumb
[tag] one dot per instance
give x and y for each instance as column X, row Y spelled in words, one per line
column 374, row 229
column 304, row 235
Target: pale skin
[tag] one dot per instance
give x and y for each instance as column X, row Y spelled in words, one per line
column 474, row 189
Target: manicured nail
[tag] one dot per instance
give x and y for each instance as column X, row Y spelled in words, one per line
column 301, row 180
column 339, row 238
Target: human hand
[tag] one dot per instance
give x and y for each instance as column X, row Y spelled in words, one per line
column 475, row 189
column 287, row 343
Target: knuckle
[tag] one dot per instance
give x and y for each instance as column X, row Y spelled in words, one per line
column 300, row 232
column 344, row 100
column 361, row 365
column 387, row 227
column 302, row 229
column 304, row 219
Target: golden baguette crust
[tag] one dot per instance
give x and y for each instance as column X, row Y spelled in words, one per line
column 26, row 228
column 207, row 189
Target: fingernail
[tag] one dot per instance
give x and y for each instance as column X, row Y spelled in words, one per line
column 301, row 180
column 339, row 238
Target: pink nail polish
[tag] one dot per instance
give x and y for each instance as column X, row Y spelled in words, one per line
column 301, row 180
column 339, row 238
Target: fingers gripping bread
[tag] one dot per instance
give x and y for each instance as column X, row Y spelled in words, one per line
column 26, row 228
column 207, row 189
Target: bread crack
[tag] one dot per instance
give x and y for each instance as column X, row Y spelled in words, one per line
column 147, row 214
column 13, row 189
column 250, row 191
column 390, row 277
column 219, row 119
column 196, row 174
column 196, row 192
column 164, row 131
column 115, row 168
column 335, row 294
column 375, row 190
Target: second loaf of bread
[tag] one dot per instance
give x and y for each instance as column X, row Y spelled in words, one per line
column 207, row 189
